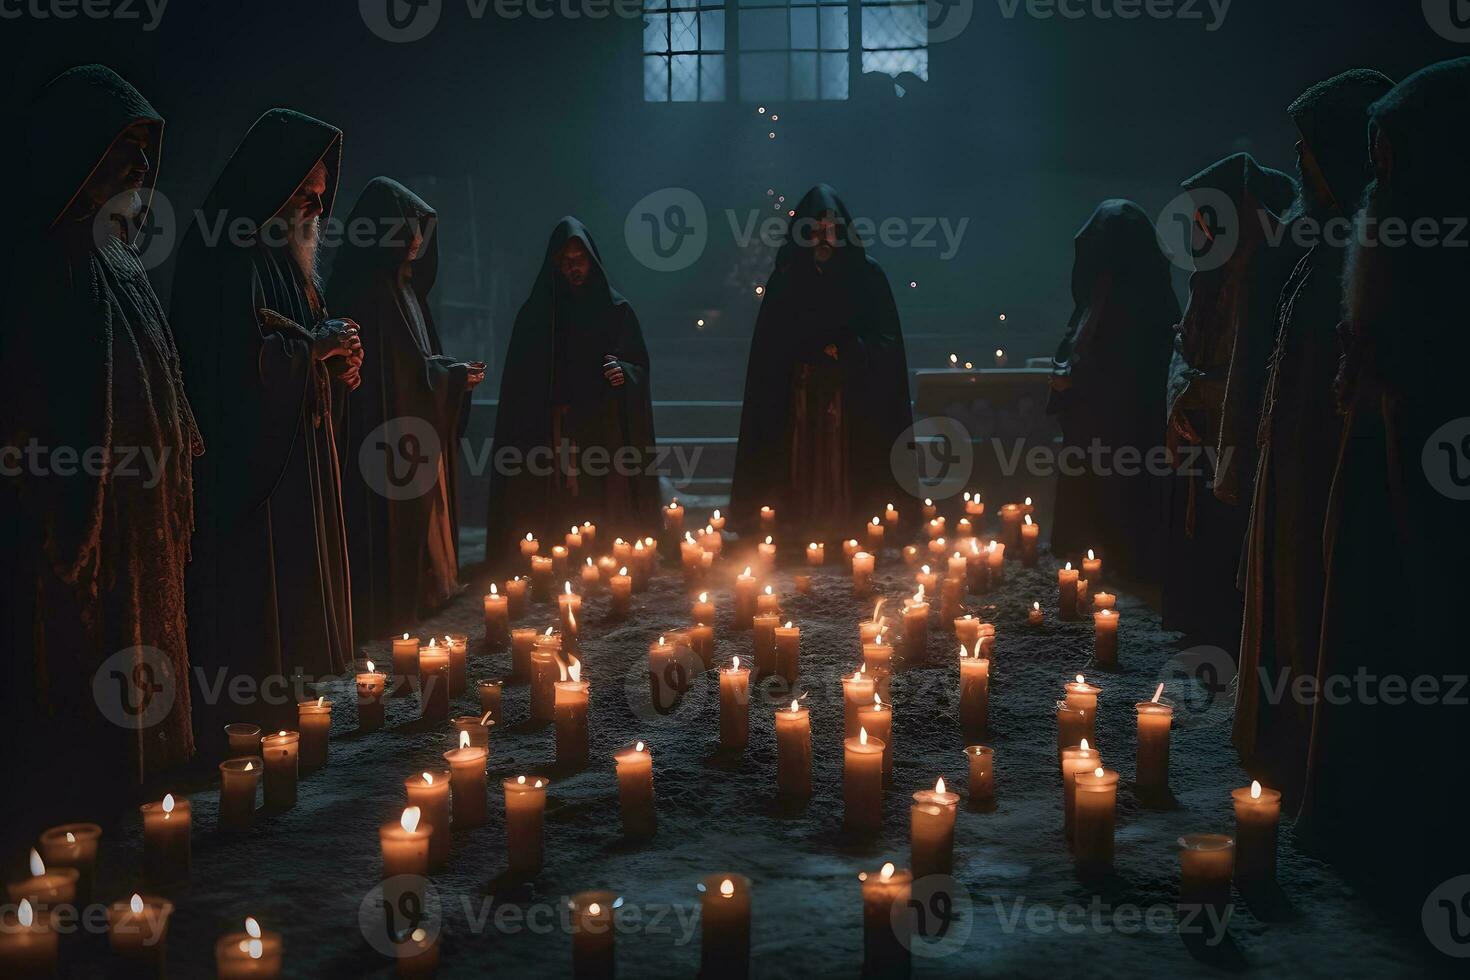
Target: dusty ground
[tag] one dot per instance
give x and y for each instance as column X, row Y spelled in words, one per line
column 1023, row 911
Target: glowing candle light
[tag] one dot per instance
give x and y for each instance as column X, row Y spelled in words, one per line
column 931, row 831
column 1257, row 816
column 930, row 511
column 1151, row 777
column 937, row 548
column 981, row 759
column 1083, row 696
column 877, row 719
column 1075, row 759
column 766, row 552
column 1010, row 525
column 875, row 534
column 622, row 592
column 282, row 770
column 525, row 816
column 862, row 574
column 429, row 791
column 405, row 663
column 890, row 514
column 768, row 520
column 1105, row 638
column 545, row 671
column 734, row 706
column 1030, row 536
column 371, row 686
column 974, row 695
column 434, row 681
column 239, row 780
column 724, row 905
column 74, row 845
column 1092, row 567
column 691, row 556
column 868, row 629
column 768, row 601
column 1071, row 728
column 405, row 844
column 28, row 944
column 816, row 553
column 477, row 727
column 254, row 954
column 529, row 545
column 916, row 628
column 862, row 783
column 573, row 541
column 745, row 588
column 1094, row 819
column 1067, row 592
column 137, row 932
column 569, row 606
column 794, row 751
column 58, row 886
column 467, row 778
column 995, row 559
column 593, row 931
column 788, row 653
column 515, row 595
column 674, row 517
column 1034, row 616
column 543, row 573
column 886, row 936
column 573, row 745
column 635, row 790
column 314, row 722
column 857, row 693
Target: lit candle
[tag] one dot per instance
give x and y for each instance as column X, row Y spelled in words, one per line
column 850, row 547
column 862, row 574
column 717, row 520
column 1075, row 759
column 1154, row 721
column 763, row 642
column 490, row 698
column 529, row 545
column 559, row 559
column 712, row 541
column 45, row 889
column 314, row 722
column 1034, row 616
column 875, row 535
column 28, row 945
column 890, row 514
column 930, row 511
column 622, row 592
column 734, row 706
column 1092, row 567
column 967, row 631
column 1071, row 728
column 434, row 681
column 429, row 792
column 963, row 529
column 910, row 554
column 868, row 629
column 1096, row 809
column 982, row 775
column 951, row 596
column 1257, row 814
column 405, row 663
column 886, row 940
column 744, row 599
column 573, row 745
column 1104, row 600
column 569, row 606
column 937, row 548
column 816, row 553
column 137, row 932
column 477, row 727
column 543, row 571
column 878, row 662
column 877, row 720
column 974, row 506
column 793, row 751
column 674, row 517
column 74, row 845
column 244, row 739
column 545, row 671
column 974, row 695
column 525, row 814
column 1083, row 696
column 916, row 628
column 788, row 653
column 1205, row 865
column 250, row 955
column 862, row 783
column 766, row 552
column 768, row 601
column 857, row 693
column 668, row 675
column 977, row 567
column 931, row 831
column 995, row 563
column 405, row 844
column 1010, row 525
column 458, row 646
column 691, row 555
column 589, row 534
column 635, row 790
column 1030, row 536
column 642, row 565
column 522, row 643
column 497, row 618
column 935, row 527
column 927, row 580
column 593, row 931
column 768, row 520
column 467, row 779
column 701, row 637
column 724, row 906
column 279, row 753
column 515, row 594
column 1105, row 638
column 573, row 541
column 239, row 779
column 958, row 568
column 591, row 577
column 371, row 686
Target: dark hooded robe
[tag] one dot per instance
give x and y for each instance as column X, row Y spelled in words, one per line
column 268, row 588
column 1110, row 375
column 1297, row 443
column 95, row 553
column 1398, row 520
column 402, row 545
column 816, row 433
column 570, row 447
column 1200, row 596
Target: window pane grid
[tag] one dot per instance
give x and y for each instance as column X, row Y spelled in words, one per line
column 683, row 50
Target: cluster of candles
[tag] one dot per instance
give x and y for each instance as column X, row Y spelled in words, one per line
column 455, row 797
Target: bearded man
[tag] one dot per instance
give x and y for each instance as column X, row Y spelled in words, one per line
column 1398, row 529
column 268, row 588
column 101, row 511
column 1297, row 439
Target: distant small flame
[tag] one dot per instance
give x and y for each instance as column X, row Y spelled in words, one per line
column 494, row 590
column 727, row 888
column 886, row 872
column 1090, row 555
column 428, row 778
column 1081, row 679
column 548, row 631
column 1098, row 772
column 572, row 671
column 788, row 624
column 255, row 949
column 405, row 636
column 38, row 867
column 939, row 785
column 768, row 539
column 410, row 819
column 704, row 597
column 1028, row 520
column 567, row 588
column 1255, row 789
column 746, row 573
column 768, row 591
column 638, row 747
column 249, row 767
column 135, row 904
column 1084, row 746
column 464, row 740
column 252, row 928
column 1036, row 606
column 623, row 571
column 71, row 838
column 594, row 909
column 794, row 705
column 25, row 914
column 734, row 663
column 529, row 537
column 862, row 736
column 168, row 803
column 321, row 701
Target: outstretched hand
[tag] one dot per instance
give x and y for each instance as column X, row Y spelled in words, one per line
column 612, row 370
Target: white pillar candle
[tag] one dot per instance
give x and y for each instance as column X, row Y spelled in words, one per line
column 1257, row 816
column 635, row 790
column 734, row 707
column 1095, row 819
column 862, row 783
column 794, row 751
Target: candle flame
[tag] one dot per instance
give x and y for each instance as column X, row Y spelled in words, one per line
column 768, row 591
column 249, row 767
column 746, row 573
column 464, row 739
column 794, row 705
column 963, row 652
column 548, row 631
column 589, row 563
column 689, row 538
column 529, row 537
column 405, row 636
column 572, row 671
column 727, row 888
column 928, row 502
column 862, row 736
column 919, row 596
column 939, row 785
column 494, row 590
column 25, row 913
column 1158, row 692
column 410, row 819
column 877, row 610
column 566, row 588
column 255, row 949
column 168, row 803
column 485, row 721
column 428, row 778
column 594, row 909
column 521, row 780
column 321, row 701
column 638, row 546
column 788, row 624
column 623, row 571
column 638, row 747
column 38, row 867
column 1090, row 556
column 1255, row 789
column 135, row 904
column 1084, row 746
column 704, row 597
column 924, row 569
column 717, row 513
column 768, row 539
column 734, row 663
column 1098, row 772
column 1081, row 679
column 886, row 872
column 876, row 522
column 1036, row 606
column 252, row 928
column 433, row 642
column 991, row 546
column 877, row 700
column 1028, row 520
column 71, row 838
column 954, row 358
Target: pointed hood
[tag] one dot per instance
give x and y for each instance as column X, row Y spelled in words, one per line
column 379, row 232
column 277, row 154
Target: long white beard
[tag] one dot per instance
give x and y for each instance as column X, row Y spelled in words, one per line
column 302, row 242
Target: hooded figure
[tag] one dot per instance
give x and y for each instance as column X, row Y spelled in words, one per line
column 1398, row 521
column 1297, row 440
column 826, row 389
column 268, row 588
column 1108, row 384
column 1206, row 528
column 574, row 437
column 402, row 525
column 95, row 545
